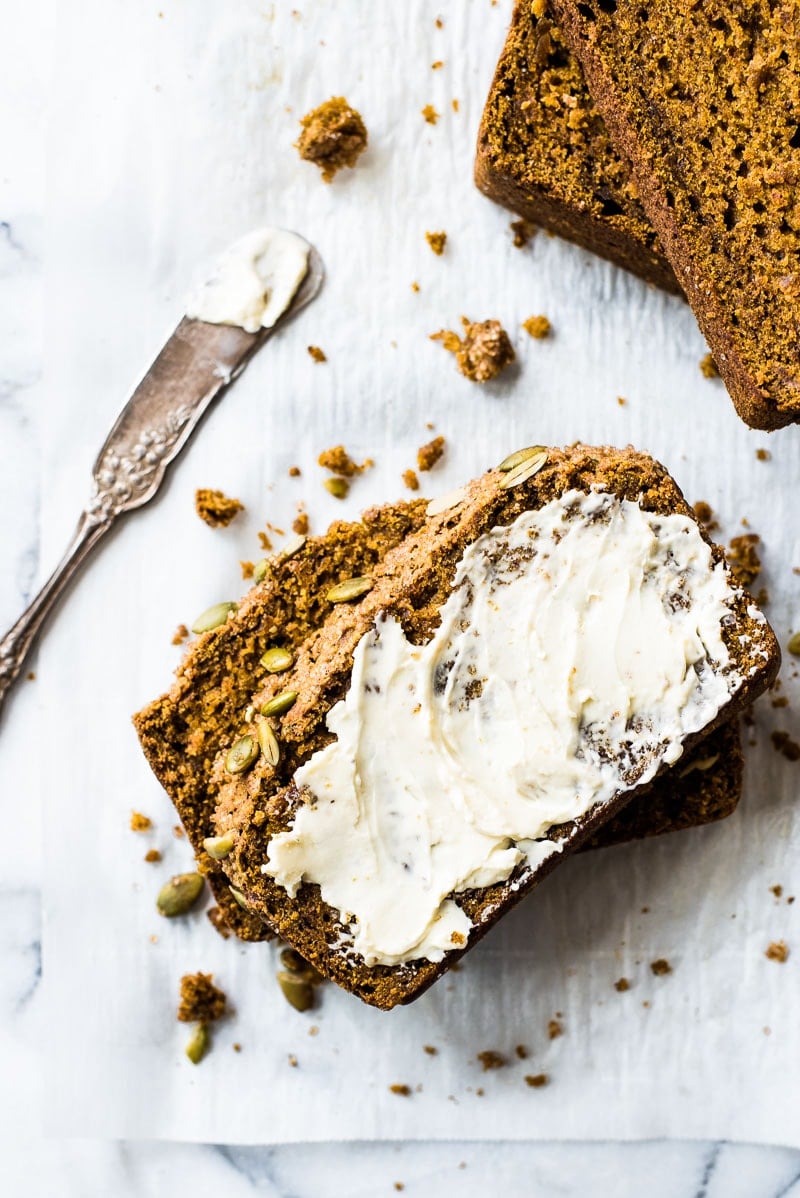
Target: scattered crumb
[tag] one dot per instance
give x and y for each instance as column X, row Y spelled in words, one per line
column 521, row 1052
column 622, row 984
column 430, row 114
column 292, row 1060
column 265, row 542
column 338, row 461
column 783, row 744
column 236, row 1047
column 555, row 1029
column 415, row 287
column 439, row 23
column 300, row 524
column 201, row 1001
column 153, row 939
column 645, row 910
column 436, row 241
column 317, row 354
column 431, row 1050
column 763, row 455
column 479, row 1093
column 704, row 515
column 313, row 1030
column 537, row 1080
column 428, row 455
column 219, row 922
column 279, row 532
column 410, row 479
column 484, row 351
column 537, row 327
column 294, row 472
column 333, row 136
column 178, row 832
column 777, row 890
column 660, row 967
column 139, row 822
column 708, row 367
column 400, row 1088
column 248, row 569
column 523, row 231
column 339, row 488
column 743, row 559
column 646, row 1003
column 31, row 676
column 778, row 950
column 455, row 105
column 490, row 1059
column 437, row 66
column 152, row 856
column 215, row 508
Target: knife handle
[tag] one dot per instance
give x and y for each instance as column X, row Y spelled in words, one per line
column 18, row 641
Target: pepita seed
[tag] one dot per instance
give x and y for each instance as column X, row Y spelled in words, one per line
column 445, row 502
column 351, row 588
column 519, row 455
column 296, row 990
column 291, row 960
column 794, row 645
column 702, row 764
column 260, row 571
column 179, row 894
column 278, row 704
column 241, row 755
column 530, row 465
column 269, row 743
column 292, row 546
column 213, row 617
column 219, row 847
column 240, row 899
column 339, row 488
column 198, row 1044
column 276, row 660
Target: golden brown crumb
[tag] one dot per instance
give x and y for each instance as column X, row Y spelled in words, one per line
column 400, row 1088
column 436, row 241
column 201, row 1001
column 480, row 1092
column 660, row 967
column 152, row 855
column 705, row 515
column 338, row 461
column 292, row 1060
column 783, row 744
column 537, row 1080
column 294, row 472
column 215, row 508
column 411, row 480
column 300, row 524
column 524, row 231
column 265, row 542
column 236, row 1047
column 333, row 136
column 763, row 455
column 398, row 1185
column 439, row 23
column 521, row 1052
column 429, row 1048
column 178, row 832
column 248, row 569
column 778, row 950
column 313, row 1030
column 317, row 354
column 777, row 890
column 621, row 400
column 482, row 353
column 430, row 114
column 555, row 1029
column 708, row 367
column 490, row 1059
column 139, row 822
column 622, row 984
column 428, row 455
column 455, row 105
column 31, row 676
column 437, row 66
column 219, row 922
column 537, row 327
column 415, row 287
column 743, row 559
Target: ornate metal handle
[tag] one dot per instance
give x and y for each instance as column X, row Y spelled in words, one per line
column 18, row 641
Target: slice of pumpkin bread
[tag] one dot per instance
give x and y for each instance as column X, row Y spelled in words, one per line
column 704, row 101
column 551, row 639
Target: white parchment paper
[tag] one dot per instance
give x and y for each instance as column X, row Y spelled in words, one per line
column 172, row 135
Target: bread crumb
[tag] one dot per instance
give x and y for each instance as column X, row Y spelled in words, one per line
column 660, row 967
column 300, row 524
column 778, row 950
column 338, row 461
column 313, row 1030
column 537, row 327
column 484, row 351
column 437, row 242
column 400, row 1088
column 201, row 1001
column 265, row 542
column 332, row 136
column 490, row 1059
column 152, row 856
column 428, row 455
column 215, row 508
column 479, row 1093
column 621, row 985
column 430, row 1049
column 705, row 515
column 708, row 367
column 555, row 1029
column 415, row 287
column 455, row 105
column 139, row 822
column 777, row 890
column 763, row 455
column 410, row 479
column 292, row 1060
column 317, row 354
column 437, row 66
column 783, row 744
column 236, row 1047
column 294, row 472
column 522, row 1052
column 430, row 114
column 537, row 1080
column 31, row 676
column 523, row 231
column 178, row 832
column 743, row 559
column 439, row 23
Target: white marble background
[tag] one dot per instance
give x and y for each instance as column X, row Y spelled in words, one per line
column 33, row 1165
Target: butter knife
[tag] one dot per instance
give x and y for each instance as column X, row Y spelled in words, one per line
column 195, row 366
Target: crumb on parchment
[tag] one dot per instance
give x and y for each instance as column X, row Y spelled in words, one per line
column 523, row 231
column 215, row 508
column 430, row 114
column 180, row 634
column 555, row 1028
column 537, row 327
column 332, row 136
column 490, row 1059
column 139, row 822
column 621, row 985
column 537, row 1080
column 437, row 241
column 482, row 353
column 660, row 967
column 201, row 1001
column 152, row 856
column 338, row 461
column 317, row 354
column 778, row 950
column 428, row 455
column 400, row 1088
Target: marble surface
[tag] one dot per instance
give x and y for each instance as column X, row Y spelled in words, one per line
column 36, row 1166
